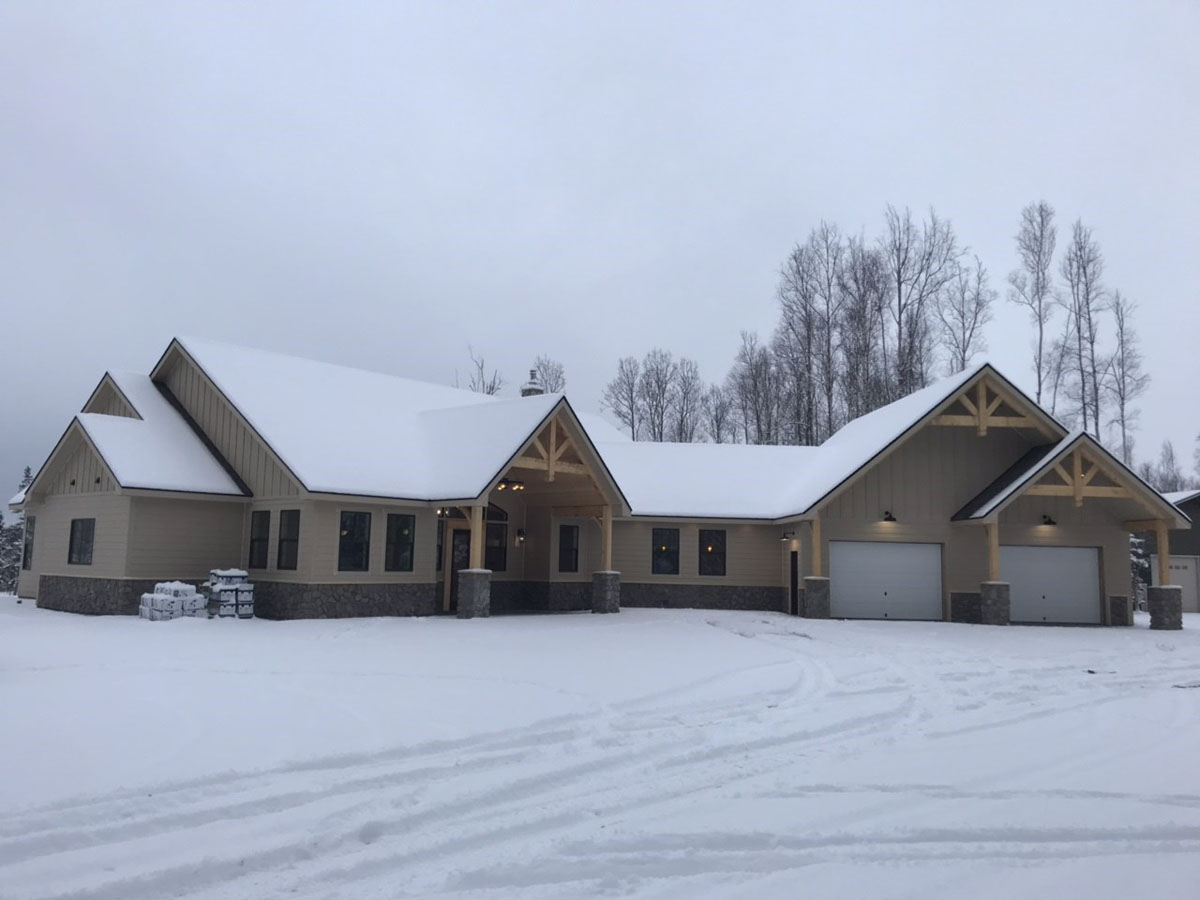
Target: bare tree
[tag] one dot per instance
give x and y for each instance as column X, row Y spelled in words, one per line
column 795, row 345
column 550, row 375
column 687, row 398
column 1167, row 475
column 479, row 381
column 1127, row 381
column 921, row 261
column 1195, row 458
column 1057, row 362
column 1032, row 286
column 962, row 310
column 656, row 387
column 827, row 248
column 754, row 383
column 865, row 291
column 621, row 395
column 1082, row 268
column 720, row 420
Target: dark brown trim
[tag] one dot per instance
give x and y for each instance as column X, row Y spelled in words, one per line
column 209, row 445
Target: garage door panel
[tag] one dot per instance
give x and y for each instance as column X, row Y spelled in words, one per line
column 1058, row 585
column 885, row 580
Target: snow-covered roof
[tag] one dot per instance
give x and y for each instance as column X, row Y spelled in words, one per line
column 18, row 498
column 737, row 481
column 159, row 451
column 1178, row 497
column 350, row 431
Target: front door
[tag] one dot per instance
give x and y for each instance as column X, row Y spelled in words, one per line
column 460, row 558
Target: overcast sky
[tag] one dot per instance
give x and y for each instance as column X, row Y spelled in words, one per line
column 382, row 184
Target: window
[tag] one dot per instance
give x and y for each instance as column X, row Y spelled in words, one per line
column 712, row 551
column 260, row 538
column 495, row 547
column 27, row 552
column 398, row 553
column 354, row 542
column 568, row 548
column 664, row 559
column 495, row 543
column 288, row 553
column 83, row 533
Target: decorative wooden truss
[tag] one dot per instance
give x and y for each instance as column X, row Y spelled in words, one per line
column 1077, row 483
column 981, row 412
column 549, row 459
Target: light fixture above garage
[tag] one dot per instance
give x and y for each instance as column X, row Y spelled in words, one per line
column 1048, row 520
column 887, row 516
column 787, row 536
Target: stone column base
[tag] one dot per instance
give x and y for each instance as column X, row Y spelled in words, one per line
column 994, row 606
column 1166, row 607
column 1120, row 611
column 606, row 592
column 816, row 597
column 474, row 593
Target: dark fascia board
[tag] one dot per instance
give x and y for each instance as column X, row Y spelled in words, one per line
column 204, row 439
column 985, row 369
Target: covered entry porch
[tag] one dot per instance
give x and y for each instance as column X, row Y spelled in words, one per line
column 540, row 537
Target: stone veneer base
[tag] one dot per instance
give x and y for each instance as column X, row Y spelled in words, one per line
column 606, row 592
column 703, row 596
column 287, row 600
column 1120, row 611
column 92, row 596
column 816, row 597
column 1165, row 604
column 994, row 605
column 965, row 607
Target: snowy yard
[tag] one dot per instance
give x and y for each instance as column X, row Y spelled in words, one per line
column 665, row 754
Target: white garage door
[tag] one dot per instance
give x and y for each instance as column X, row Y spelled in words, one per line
column 883, row 580
column 1185, row 572
column 1053, row 584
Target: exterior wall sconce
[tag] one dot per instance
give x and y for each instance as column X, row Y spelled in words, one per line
column 887, row 516
column 787, row 536
column 520, row 537
column 1048, row 520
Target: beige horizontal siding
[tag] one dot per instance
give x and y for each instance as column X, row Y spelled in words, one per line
column 753, row 553
column 322, row 535
column 229, row 433
column 53, row 531
column 183, row 539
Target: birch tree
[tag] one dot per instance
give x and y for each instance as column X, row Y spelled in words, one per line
column 1127, row 381
column 1032, row 285
column 1082, row 269
column 795, row 344
column 686, row 402
column 864, row 286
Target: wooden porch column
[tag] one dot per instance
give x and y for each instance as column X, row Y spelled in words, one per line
column 992, row 530
column 476, row 537
column 1164, row 552
column 814, row 525
column 606, row 538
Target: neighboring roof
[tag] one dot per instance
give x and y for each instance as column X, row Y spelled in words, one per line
column 160, row 451
column 1178, row 497
column 1013, row 479
column 349, row 431
column 18, row 498
column 727, row 481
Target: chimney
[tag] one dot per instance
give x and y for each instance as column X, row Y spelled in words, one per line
column 531, row 388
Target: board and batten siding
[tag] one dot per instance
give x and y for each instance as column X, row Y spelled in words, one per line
column 752, row 553
column 77, row 470
column 52, row 537
column 228, row 431
column 109, row 401
column 183, row 539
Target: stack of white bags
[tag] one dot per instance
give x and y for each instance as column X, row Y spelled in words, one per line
column 233, row 589
column 172, row 599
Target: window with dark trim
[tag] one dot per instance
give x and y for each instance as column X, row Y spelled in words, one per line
column 83, row 534
column 712, row 551
column 287, row 554
column 27, row 550
column 495, row 540
column 568, row 548
column 354, row 542
column 398, row 552
column 260, row 538
column 664, row 558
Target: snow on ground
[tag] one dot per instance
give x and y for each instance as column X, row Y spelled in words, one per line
column 661, row 754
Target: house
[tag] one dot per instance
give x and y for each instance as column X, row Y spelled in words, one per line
column 1183, row 567
column 353, row 493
